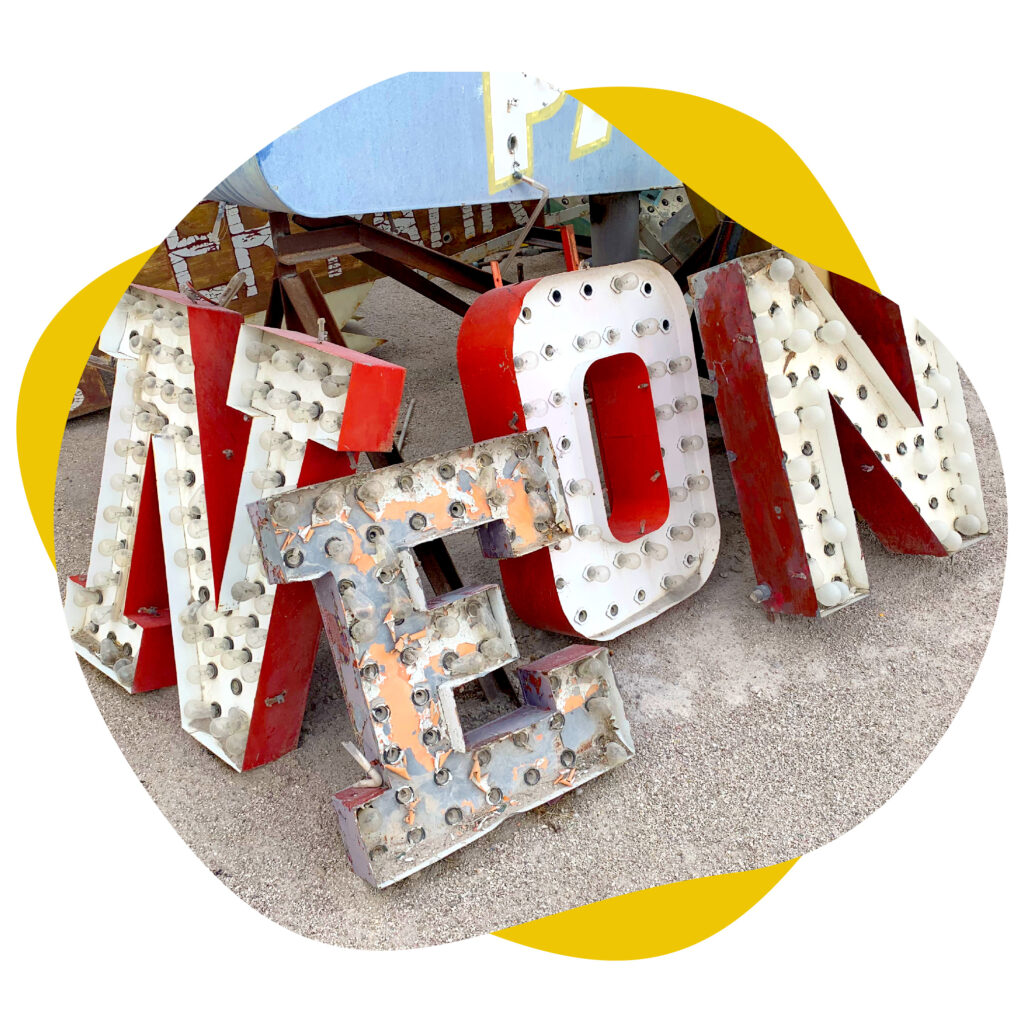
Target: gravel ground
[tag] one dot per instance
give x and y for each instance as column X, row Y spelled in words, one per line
column 756, row 741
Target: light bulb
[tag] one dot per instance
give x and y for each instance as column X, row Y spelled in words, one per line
column 191, row 444
column 624, row 282
column 664, row 412
column 124, row 669
column 265, row 479
column 187, row 402
column 181, row 514
column 108, row 548
column 771, row 350
column 953, row 542
column 683, row 364
column 150, row 422
column 235, row 658
column 799, row 341
column 580, row 488
column 279, row 398
column 787, row 423
column 704, row 520
column 370, row 491
column 216, row 645
column 329, row 422
column 535, row 408
column 312, row 369
column 180, row 477
column 811, row 392
column 210, row 611
column 239, row 624
column 197, row 674
column 658, row 369
column 682, row 533
column 166, row 354
column 926, row 396
column 918, row 361
column 654, row 550
column 196, row 633
column 779, row 386
column 255, row 389
column 113, row 513
column 107, row 578
column 782, row 323
column 955, row 431
column 673, row 582
column 829, row 595
column 468, row 664
column 817, row 576
column 258, row 351
column 781, row 270
column 844, row 590
column 179, row 323
column 799, row 469
column 119, row 481
column 304, row 412
column 963, row 462
column 597, row 573
column 968, row 524
column 245, row 590
column 84, row 597
column 678, row 493
column 444, row 624
column 286, row 362
column 194, row 710
column 759, row 297
column 963, row 494
column 587, row 531
column 250, row 672
column 698, row 483
column 833, row 530
column 803, row 493
column 940, row 529
column 256, row 638
column 804, row 318
column 586, row 342
column 525, row 361
column 925, row 462
column 832, row 332
column 764, row 328
column 646, row 327
column 813, row 416
column 941, row 385
column 627, row 560
column 338, row 549
column 335, row 385
column 611, row 335
column 686, row 403
column 235, row 720
column 264, row 603
column 185, row 557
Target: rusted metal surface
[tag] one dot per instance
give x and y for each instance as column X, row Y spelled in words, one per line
column 402, row 659
column 816, row 424
column 95, row 386
column 604, row 359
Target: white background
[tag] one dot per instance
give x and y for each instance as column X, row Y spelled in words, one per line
column 119, row 117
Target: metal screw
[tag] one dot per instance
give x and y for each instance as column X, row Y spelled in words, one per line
column 293, row 558
column 418, row 521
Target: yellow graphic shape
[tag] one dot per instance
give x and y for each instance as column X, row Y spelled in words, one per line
column 575, row 149
column 738, row 165
column 650, row 922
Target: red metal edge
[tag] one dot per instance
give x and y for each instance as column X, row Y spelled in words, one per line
column 494, row 408
column 372, row 407
column 766, row 503
column 878, row 499
column 223, row 431
column 879, row 322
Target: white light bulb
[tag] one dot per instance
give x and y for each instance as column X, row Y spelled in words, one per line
column 779, row 386
column 580, row 488
column 955, row 431
column 926, row 396
column 844, row 590
column 829, row 595
column 587, row 342
column 535, row 408
column 803, row 492
column 624, row 282
column 787, row 423
column 781, row 270
column 654, row 550
column 693, row 443
column 963, row 462
column 764, row 328
column 804, row 318
column 771, row 350
column 267, row 478
column 813, row 416
column 335, row 385
column 918, row 361
column 799, row 341
column 705, row 520
column 682, row 533
column 587, row 531
column 782, row 323
column 940, row 529
column 812, row 392
column 963, row 494
column 329, row 422
column 968, row 524
column 953, row 542
column 686, row 403
column 698, row 483
column 597, row 573
column 664, row 412
column 286, row 362
column 833, row 530
column 681, row 365
column 817, row 576
column 197, row 709
column 525, row 361
column 759, row 297
column 925, row 462
column 646, row 327
column 627, row 560
column 832, row 332
column 312, row 369
column 940, row 385
column 658, row 369
column 799, row 469
column 678, row 493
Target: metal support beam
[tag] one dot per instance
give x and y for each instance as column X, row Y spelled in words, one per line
column 614, row 228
